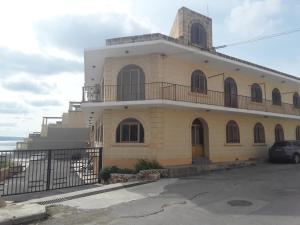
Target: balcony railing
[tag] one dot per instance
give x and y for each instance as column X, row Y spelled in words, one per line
column 176, row 92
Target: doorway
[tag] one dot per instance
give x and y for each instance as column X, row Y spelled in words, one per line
column 199, row 139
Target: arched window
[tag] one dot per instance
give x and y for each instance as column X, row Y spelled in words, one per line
column 197, row 133
column 198, row 82
column 276, row 97
column 298, row 133
column 130, row 130
column 296, row 100
column 256, row 93
column 198, row 35
column 259, row 133
column 232, row 132
column 131, row 83
column 231, row 97
column 279, row 134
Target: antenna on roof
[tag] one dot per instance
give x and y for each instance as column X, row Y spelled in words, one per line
column 207, row 10
column 256, row 39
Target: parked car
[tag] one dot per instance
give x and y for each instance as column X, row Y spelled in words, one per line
column 285, row 151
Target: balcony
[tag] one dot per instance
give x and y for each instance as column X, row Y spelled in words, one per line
column 181, row 93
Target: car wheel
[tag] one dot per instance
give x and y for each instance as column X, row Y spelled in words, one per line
column 271, row 160
column 296, row 159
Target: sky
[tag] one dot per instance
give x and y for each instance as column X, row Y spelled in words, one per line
column 42, row 44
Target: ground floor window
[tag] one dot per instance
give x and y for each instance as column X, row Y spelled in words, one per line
column 298, row 133
column 279, row 134
column 130, row 131
column 232, row 132
column 259, row 133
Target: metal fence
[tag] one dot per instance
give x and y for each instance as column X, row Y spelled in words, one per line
column 182, row 93
column 26, row 171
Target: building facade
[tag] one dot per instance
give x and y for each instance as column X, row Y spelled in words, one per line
column 66, row 131
column 178, row 101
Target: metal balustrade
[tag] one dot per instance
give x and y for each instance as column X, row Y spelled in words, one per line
column 182, row 93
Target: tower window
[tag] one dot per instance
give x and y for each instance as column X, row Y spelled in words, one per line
column 198, row 35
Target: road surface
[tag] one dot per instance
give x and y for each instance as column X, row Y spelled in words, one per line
column 267, row 194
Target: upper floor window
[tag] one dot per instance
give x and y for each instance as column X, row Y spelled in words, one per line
column 279, row 134
column 232, row 132
column 131, row 83
column 256, row 93
column 298, row 133
column 230, row 93
column 198, row 35
column 296, row 100
column 276, row 97
column 259, row 133
column 130, row 131
column 198, row 82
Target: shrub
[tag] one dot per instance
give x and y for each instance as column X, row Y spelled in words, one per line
column 105, row 174
column 145, row 164
column 114, row 169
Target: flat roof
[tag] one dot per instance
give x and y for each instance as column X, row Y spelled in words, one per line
column 158, row 36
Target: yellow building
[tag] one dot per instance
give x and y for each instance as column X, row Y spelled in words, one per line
column 178, row 101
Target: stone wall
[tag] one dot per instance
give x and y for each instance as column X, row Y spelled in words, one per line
column 181, row 28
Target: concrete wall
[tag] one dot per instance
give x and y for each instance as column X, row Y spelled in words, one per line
column 59, row 138
column 73, row 119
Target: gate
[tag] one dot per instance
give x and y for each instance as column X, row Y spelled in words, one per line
column 26, row 171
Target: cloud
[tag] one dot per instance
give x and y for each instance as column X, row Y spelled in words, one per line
column 12, row 108
column 7, row 124
column 44, row 102
column 23, row 84
column 77, row 32
column 15, row 62
column 254, row 17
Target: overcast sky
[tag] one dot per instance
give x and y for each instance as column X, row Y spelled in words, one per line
column 42, row 44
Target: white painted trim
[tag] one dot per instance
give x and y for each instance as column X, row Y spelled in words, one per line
column 149, row 103
column 195, row 51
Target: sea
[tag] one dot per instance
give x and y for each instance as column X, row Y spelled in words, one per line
column 8, row 145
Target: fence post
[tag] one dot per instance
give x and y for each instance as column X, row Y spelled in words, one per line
column 175, row 94
column 48, row 171
column 99, row 164
column 83, row 99
column 162, row 91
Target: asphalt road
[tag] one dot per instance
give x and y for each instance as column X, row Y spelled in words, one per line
column 257, row 195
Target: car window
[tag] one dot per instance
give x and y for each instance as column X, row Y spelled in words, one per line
column 282, row 144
